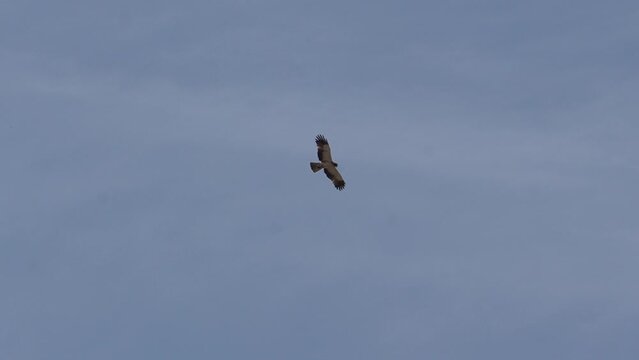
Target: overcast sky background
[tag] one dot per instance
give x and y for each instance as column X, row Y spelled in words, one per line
column 156, row 200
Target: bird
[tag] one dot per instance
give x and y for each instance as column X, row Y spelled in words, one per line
column 327, row 163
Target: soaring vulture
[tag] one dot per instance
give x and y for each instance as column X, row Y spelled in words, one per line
column 327, row 163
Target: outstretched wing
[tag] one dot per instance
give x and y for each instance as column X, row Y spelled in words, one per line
column 323, row 149
column 332, row 173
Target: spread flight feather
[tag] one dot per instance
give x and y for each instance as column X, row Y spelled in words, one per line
column 327, row 163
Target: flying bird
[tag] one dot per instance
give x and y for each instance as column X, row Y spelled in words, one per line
column 327, row 163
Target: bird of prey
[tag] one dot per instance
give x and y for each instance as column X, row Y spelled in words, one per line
column 327, row 163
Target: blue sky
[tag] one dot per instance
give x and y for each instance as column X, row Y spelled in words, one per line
column 157, row 201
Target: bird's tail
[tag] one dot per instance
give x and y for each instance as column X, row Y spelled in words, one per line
column 316, row 166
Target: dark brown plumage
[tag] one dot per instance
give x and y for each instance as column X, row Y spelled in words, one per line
column 327, row 163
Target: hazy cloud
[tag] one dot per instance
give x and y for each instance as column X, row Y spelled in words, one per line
column 157, row 200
